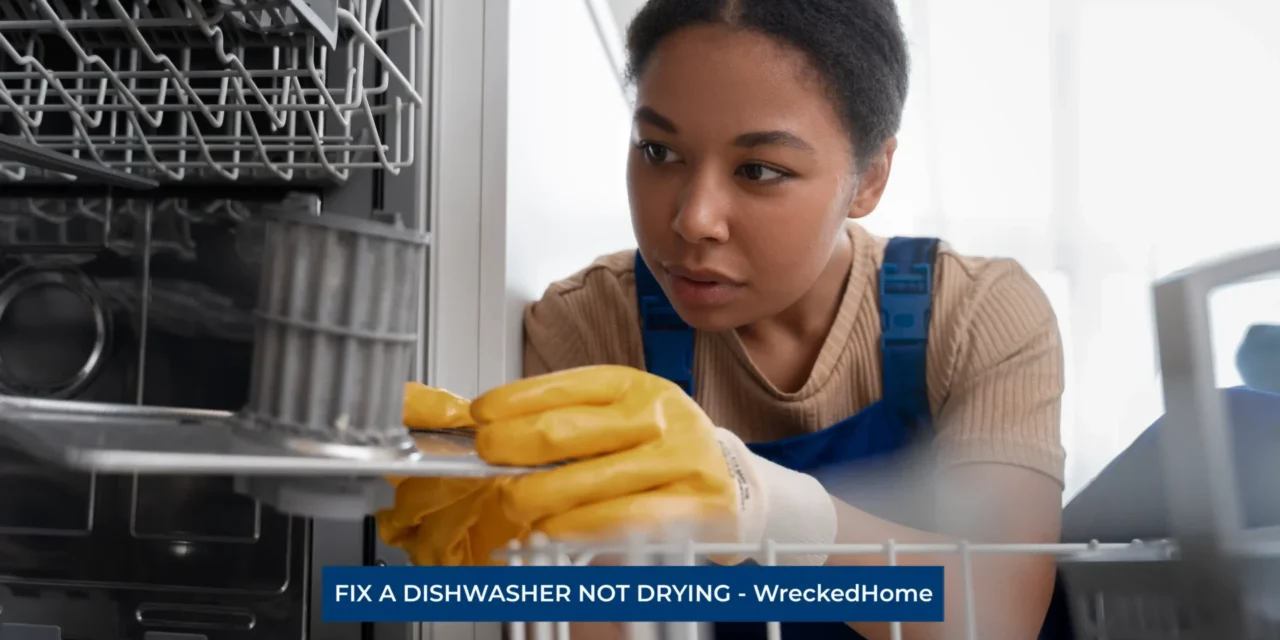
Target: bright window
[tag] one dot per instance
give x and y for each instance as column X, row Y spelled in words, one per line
column 1104, row 144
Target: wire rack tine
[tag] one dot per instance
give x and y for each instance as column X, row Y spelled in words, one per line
column 246, row 93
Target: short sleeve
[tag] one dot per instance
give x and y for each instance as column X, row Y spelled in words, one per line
column 552, row 337
column 587, row 319
column 1004, row 405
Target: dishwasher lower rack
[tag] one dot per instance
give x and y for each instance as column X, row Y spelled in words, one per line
column 1148, row 593
column 285, row 91
column 1116, row 591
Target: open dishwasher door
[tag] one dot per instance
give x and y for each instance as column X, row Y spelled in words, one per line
column 140, row 487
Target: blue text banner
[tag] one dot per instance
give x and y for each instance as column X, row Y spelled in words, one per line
column 632, row 594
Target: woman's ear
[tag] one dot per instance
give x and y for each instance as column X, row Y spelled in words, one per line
column 874, row 177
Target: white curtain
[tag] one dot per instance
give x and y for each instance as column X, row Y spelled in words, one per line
column 1104, row 144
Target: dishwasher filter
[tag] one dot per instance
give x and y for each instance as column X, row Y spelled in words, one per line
column 337, row 327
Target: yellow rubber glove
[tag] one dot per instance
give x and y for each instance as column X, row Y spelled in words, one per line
column 445, row 521
column 640, row 452
column 429, row 408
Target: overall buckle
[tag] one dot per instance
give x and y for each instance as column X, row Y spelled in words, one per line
column 906, row 299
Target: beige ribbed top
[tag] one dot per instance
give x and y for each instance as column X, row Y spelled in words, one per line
column 995, row 369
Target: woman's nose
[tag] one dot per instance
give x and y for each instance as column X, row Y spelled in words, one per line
column 704, row 212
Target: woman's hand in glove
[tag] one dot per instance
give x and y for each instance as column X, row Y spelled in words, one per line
column 445, row 521
column 637, row 452
column 430, row 408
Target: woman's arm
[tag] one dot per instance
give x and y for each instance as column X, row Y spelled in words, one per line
column 999, row 460
column 1011, row 591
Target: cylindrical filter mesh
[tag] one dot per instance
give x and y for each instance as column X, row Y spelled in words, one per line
column 336, row 330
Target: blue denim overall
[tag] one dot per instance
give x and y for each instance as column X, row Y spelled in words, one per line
column 877, row 432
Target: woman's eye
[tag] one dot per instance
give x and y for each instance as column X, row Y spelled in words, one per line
column 760, row 173
column 657, row 154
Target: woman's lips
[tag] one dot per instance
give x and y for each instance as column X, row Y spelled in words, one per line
column 697, row 292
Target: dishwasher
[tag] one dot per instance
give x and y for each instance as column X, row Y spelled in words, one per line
column 214, row 258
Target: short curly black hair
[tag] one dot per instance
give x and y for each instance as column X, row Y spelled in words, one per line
column 857, row 46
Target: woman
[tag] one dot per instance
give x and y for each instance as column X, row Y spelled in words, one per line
column 763, row 129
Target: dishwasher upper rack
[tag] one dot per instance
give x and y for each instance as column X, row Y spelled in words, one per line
column 180, row 91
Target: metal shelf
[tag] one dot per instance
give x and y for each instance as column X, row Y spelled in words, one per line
column 175, row 92
column 112, row 438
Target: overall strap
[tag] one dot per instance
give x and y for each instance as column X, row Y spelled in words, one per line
column 668, row 341
column 906, row 304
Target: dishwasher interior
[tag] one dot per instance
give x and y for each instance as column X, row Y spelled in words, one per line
column 144, row 143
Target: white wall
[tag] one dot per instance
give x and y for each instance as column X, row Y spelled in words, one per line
column 623, row 10
column 567, row 135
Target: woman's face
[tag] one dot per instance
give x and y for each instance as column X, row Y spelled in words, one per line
column 740, row 176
